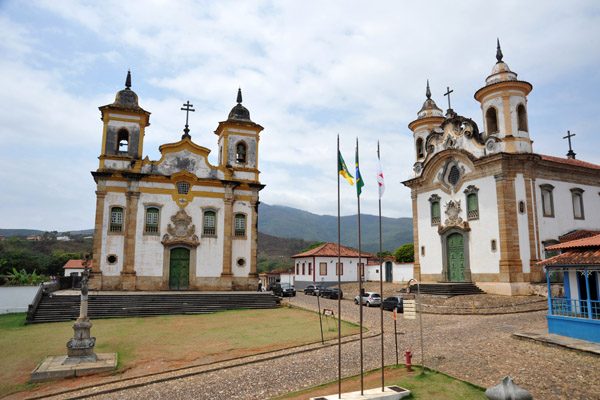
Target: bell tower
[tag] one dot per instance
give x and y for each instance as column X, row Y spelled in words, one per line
column 123, row 136
column 504, row 105
column 238, row 143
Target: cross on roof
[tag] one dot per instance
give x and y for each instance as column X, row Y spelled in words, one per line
column 187, row 107
column 448, row 94
column 571, row 153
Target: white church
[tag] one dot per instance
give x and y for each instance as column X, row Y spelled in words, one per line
column 178, row 223
column 485, row 205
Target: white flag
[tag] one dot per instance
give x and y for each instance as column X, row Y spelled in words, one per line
column 380, row 178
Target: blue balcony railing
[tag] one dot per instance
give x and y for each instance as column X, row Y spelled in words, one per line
column 589, row 309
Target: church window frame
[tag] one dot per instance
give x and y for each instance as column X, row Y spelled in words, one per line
column 183, row 187
column 239, row 226
column 241, row 152
column 124, row 135
column 472, row 200
column 493, row 245
column 491, row 120
column 152, row 219
column 547, row 200
column 521, row 207
column 577, row 200
column 522, row 118
column 241, row 262
column 435, row 209
column 116, row 220
column 420, row 147
column 422, row 251
column 209, row 222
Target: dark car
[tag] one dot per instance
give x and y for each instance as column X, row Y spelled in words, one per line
column 393, row 302
column 310, row 289
column 283, row 289
column 332, row 293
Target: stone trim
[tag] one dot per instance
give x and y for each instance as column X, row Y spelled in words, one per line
column 444, row 242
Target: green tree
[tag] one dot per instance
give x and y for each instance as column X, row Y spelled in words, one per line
column 384, row 254
column 312, row 246
column 405, row 253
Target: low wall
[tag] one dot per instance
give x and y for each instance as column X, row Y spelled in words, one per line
column 15, row 299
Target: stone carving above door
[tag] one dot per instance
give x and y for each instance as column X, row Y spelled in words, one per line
column 182, row 232
column 453, row 210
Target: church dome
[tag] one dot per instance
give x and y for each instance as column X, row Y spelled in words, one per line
column 127, row 97
column 239, row 112
column 500, row 72
column 429, row 109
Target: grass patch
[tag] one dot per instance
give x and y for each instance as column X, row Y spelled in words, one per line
column 429, row 385
column 153, row 344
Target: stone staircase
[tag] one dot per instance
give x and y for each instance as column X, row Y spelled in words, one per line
column 57, row 308
column 448, row 289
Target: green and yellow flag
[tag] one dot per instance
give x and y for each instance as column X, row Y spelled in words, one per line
column 343, row 170
column 359, row 181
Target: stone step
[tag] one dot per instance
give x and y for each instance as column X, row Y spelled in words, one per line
column 448, row 289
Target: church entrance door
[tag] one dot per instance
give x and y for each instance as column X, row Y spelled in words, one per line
column 388, row 272
column 456, row 257
column 179, row 269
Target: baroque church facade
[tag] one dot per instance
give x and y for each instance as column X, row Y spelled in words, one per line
column 178, row 223
column 485, row 205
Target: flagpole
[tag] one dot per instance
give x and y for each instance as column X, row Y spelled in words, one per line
column 359, row 269
column 381, row 277
column 339, row 277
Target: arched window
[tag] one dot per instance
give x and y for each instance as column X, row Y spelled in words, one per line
column 240, row 152
column 122, row 141
column 577, row 198
column 522, row 118
column 210, row 227
column 152, row 214
column 491, row 119
column 240, row 225
column 547, row 200
column 116, row 219
column 434, row 201
column 472, row 202
column 420, row 149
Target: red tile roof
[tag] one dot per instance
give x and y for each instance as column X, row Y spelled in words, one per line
column 580, row 234
column 569, row 161
column 331, row 250
column 593, row 241
column 74, row 264
column 584, row 251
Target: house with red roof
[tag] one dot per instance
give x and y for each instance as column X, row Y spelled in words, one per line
column 320, row 265
column 577, row 314
column 73, row 267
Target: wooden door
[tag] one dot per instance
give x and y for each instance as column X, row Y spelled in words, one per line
column 456, row 257
column 179, row 269
column 388, row 272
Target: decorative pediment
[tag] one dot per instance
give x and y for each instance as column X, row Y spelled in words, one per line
column 182, row 231
column 454, row 220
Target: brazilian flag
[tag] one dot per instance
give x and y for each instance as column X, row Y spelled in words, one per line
column 343, row 170
column 359, row 181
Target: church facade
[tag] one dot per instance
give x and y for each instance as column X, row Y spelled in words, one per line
column 178, row 223
column 485, row 205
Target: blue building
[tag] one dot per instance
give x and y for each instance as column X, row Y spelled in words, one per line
column 577, row 314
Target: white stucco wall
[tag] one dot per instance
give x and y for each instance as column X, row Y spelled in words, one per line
column 15, row 299
column 349, row 273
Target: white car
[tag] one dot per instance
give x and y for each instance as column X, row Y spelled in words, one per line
column 369, row 299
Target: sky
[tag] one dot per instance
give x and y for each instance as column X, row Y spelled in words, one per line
column 308, row 70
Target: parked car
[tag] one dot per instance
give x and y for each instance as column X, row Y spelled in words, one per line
column 310, row 289
column 392, row 302
column 284, row 289
column 369, row 299
column 332, row 292
column 318, row 290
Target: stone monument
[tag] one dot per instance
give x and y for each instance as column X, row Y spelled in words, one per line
column 507, row 390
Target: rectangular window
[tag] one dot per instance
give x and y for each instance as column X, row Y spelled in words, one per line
column 310, row 268
column 240, row 225
column 547, row 200
column 323, row 268
column 210, row 223
column 303, row 268
column 298, row 269
column 339, row 268
column 577, row 198
column 116, row 219
column 152, row 220
column 472, row 206
column 435, row 213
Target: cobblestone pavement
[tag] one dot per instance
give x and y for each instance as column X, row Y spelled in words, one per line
column 478, row 349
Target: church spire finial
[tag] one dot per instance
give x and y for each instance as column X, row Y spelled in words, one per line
column 498, row 51
column 239, row 96
column 428, row 92
column 128, row 80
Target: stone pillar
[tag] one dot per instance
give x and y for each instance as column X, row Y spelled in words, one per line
column 96, row 273
column 415, row 216
column 128, row 274
column 511, row 267
column 253, row 275
column 535, row 273
column 226, row 274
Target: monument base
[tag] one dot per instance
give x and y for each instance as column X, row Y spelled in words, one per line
column 56, row 367
column 389, row 393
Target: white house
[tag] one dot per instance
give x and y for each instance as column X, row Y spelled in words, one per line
column 179, row 222
column 318, row 265
column 73, row 267
column 392, row 271
column 485, row 205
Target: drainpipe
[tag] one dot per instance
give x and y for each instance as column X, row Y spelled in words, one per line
column 549, row 291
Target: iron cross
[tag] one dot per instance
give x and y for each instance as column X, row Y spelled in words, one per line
column 570, row 154
column 187, row 107
column 448, row 94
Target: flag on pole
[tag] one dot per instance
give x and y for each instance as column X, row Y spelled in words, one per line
column 343, row 170
column 380, row 178
column 359, row 181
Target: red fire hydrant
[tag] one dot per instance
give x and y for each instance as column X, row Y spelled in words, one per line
column 408, row 356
